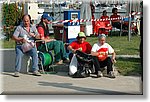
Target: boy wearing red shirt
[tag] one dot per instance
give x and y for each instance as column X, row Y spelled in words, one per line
column 80, row 45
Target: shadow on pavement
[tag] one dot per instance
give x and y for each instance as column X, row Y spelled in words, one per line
column 9, row 74
column 82, row 89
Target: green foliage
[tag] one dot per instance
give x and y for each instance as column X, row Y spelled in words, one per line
column 11, row 14
column 10, row 18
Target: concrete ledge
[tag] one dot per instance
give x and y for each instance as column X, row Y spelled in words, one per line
column 8, row 61
column 61, row 68
column 9, row 55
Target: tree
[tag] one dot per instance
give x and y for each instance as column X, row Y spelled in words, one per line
column 10, row 18
column 11, row 14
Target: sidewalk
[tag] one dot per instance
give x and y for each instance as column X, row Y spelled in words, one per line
column 61, row 83
column 127, row 56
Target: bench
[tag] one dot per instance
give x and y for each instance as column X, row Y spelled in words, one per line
column 8, row 61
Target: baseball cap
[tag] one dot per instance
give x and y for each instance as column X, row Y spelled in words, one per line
column 45, row 16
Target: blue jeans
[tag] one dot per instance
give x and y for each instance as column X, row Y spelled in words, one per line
column 19, row 55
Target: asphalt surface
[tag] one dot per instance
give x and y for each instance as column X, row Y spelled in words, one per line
column 61, row 83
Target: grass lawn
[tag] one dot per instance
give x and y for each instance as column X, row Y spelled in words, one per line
column 122, row 47
column 130, row 66
column 121, row 44
column 7, row 44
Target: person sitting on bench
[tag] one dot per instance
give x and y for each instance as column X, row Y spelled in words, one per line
column 25, row 34
column 52, row 44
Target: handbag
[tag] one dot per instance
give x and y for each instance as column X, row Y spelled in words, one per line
column 27, row 46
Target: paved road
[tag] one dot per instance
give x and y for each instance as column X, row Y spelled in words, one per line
column 60, row 83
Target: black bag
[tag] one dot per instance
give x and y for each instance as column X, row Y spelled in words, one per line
column 82, row 72
column 84, row 65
